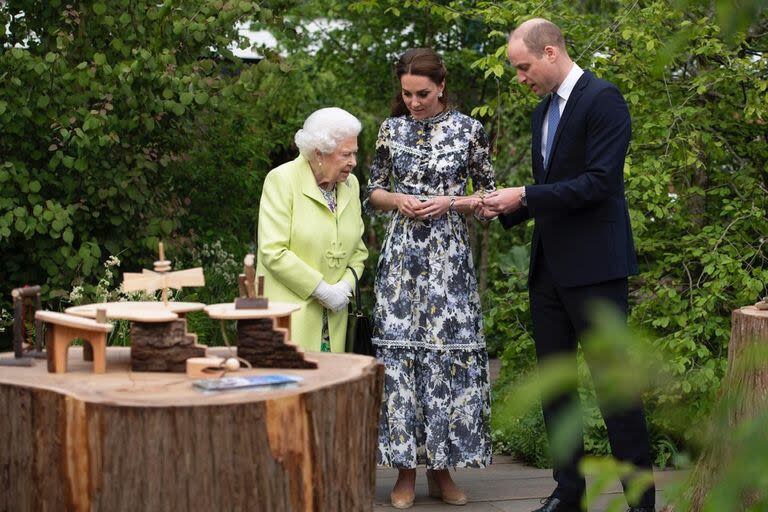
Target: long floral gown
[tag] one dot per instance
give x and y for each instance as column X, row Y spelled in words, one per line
column 427, row 319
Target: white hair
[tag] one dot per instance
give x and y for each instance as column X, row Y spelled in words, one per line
column 324, row 128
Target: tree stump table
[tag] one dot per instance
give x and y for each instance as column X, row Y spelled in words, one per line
column 150, row 441
column 745, row 389
column 159, row 338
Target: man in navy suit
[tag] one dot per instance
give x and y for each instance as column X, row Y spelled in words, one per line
column 582, row 247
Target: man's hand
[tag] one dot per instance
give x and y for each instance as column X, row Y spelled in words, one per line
column 500, row 201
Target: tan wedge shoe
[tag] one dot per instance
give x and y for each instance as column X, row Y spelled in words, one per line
column 453, row 497
column 402, row 500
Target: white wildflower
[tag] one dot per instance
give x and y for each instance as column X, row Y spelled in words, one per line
column 76, row 295
column 112, row 261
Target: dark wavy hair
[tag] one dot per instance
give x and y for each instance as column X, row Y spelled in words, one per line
column 423, row 62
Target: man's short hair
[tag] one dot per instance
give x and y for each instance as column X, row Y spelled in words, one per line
column 536, row 34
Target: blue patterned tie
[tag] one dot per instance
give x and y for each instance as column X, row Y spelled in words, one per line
column 553, row 119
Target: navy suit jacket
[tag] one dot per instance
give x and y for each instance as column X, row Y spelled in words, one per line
column 577, row 202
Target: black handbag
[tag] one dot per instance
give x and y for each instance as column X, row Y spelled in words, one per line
column 358, row 325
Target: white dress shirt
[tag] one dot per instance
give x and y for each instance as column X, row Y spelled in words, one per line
column 562, row 94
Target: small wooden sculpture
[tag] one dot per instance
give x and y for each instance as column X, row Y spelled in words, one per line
column 263, row 343
column 264, row 335
column 66, row 328
column 26, row 301
column 159, row 338
column 250, row 297
column 162, row 278
column 163, row 346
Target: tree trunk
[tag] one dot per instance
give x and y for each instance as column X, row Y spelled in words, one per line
column 745, row 387
column 150, row 441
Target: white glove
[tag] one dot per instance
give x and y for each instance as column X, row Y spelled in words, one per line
column 333, row 296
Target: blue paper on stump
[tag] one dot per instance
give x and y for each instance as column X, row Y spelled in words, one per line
column 269, row 381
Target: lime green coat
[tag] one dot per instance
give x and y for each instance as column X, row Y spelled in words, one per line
column 301, row 242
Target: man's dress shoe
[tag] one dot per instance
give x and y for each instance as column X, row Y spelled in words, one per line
column 553, row 504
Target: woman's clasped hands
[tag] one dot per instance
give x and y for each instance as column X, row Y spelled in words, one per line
column 434, row 207
column 333, row 296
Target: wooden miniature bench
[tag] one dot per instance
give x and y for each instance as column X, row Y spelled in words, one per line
column 63, row 329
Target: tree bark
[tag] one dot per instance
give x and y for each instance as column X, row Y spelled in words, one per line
column 163, row 346
column 745, row 389
column 149, row 441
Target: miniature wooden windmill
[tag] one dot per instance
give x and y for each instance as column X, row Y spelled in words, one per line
column 162, row 278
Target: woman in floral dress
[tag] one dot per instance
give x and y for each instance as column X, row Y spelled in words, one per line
column 427, row 320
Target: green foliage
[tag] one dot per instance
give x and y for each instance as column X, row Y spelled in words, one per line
column 99, row 107
column 523, row 434
column 107, row 289
column 732, row 472
column 221, row 270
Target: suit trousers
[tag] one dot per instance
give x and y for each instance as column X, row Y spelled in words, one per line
column 560, row 318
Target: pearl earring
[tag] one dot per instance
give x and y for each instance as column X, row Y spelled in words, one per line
column 440, row 95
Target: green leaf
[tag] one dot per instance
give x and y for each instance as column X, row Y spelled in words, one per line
column 67, row 236
column 186, row 98
column 50, row 57
column 34, row 186
column 100, row 59
column 167, row 226
column 43, row 101
column 99, row 8
column 201, row 98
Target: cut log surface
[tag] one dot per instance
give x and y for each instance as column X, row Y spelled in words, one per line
column 150, row 441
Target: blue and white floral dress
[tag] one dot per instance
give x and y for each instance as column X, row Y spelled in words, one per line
column 428, row 325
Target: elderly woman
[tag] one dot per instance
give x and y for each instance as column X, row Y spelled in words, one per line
column 310, row 230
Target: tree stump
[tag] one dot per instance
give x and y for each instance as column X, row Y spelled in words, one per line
column 745, row 387
column 150, row 441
